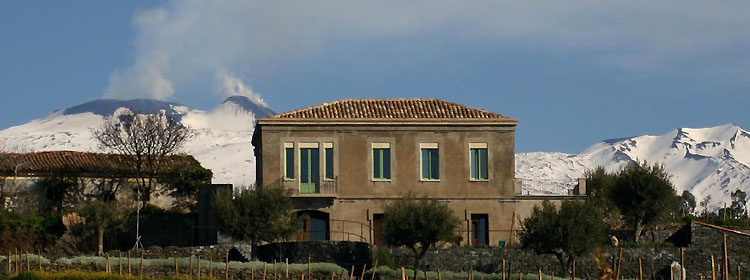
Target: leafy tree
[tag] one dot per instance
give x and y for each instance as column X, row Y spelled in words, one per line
column 419, row 224
column 101, row 216
column 739, row 200
column 599, row 184
column 687, row 203
column 569, row 233
column 644, row 195
column 261, row 214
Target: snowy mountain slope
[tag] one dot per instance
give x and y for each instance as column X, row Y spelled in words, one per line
column 220, row 141
column 711, row 161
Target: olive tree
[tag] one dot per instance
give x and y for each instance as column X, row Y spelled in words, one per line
column 644, row 195
column 100, row 216
column 569, row 232
column 254, row 215
column 419, row 224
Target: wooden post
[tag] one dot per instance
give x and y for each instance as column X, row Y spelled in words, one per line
column 713, row 268
column 190, row 269
column 275, row 274
column 510, row 270
column 226, row 266
column 726, row 259
column 362, row 276
column 119, row 262
column 503, row 269
column 739, row 272
column 9, row 263
column 403, row 273
column 106, row 263
column 140, row 267
column 18, row 267
column 375, row 268
column 129, row 272
column 619, row 264
column 199, row 267
column 520, row 276
column 351, row 273
column 176, row 268
column 264, row 271
column 210, row 265
column 682, row 261
column 286, row 269
column 28, row 262
column 39, row 259
column 540, row 274
column 309, row 271
column 640, row 268
column 252, row 271
column 573, row 275
column 438, row 272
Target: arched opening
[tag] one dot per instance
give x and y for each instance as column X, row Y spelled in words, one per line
column 315, row 225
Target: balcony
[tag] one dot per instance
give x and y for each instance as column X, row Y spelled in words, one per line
column 325, row 188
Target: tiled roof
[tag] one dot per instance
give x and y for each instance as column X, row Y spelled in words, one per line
column 89, row 164
column 393, row 109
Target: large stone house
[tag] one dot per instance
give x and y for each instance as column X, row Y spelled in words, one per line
column 342, row 161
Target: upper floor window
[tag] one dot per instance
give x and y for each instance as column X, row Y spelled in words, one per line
column 381, row 161
column 430, row 161
column 328, row 151
column 289, row 160
column 478, row 159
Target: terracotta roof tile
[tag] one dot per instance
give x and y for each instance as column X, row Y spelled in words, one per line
column 397, row 109
column 90, row 164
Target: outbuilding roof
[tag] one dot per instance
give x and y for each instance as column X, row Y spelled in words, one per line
column 80, row 163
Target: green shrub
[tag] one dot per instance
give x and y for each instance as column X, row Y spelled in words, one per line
column 383, row 257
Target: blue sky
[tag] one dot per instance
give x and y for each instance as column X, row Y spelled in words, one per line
column 573, row 73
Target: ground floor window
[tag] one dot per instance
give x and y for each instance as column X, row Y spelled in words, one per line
column 480, row 230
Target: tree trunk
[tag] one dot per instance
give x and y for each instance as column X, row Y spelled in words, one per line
column 638, row 231
column 101, row 241
column 565, row 262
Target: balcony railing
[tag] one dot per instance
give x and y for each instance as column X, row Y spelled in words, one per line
column 324, row 188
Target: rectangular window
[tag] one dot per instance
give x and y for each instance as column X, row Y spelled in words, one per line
column 329, row 160
column 430, row 161
column 289, row 160
column 478, row 158
column 381, row 161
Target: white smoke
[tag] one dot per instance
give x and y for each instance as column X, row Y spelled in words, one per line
column 231, row 85
column 187, row 41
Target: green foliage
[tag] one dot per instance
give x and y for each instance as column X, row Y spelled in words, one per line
column 739, row 202
column 185, row 178
column 570, row 232
column 687, row 203
column 419, row 224
column 255, row 215
column 644, row 195
column 29, row 231
column 101, row 216
column 57, row 189
column 599, row 185
column 384, row 257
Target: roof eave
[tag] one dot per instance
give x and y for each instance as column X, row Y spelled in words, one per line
column 452, row 121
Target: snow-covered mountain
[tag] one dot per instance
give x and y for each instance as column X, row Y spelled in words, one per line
column 220, row 141
column 711, row 161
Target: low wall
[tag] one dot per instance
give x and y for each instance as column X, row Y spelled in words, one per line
column 343, row 253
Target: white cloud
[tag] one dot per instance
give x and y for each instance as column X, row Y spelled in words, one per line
column 193, row 39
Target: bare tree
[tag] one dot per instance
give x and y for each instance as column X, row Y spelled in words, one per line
column 146, row 141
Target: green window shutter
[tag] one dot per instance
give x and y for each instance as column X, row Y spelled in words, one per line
column 479, row 164
column 386, row 163
column 377, row 163
column 430, row 164
column 329, row 163
column 289, row 161
column 483, row 164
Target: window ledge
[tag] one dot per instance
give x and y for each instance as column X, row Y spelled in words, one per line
column 329, row 180
column 429, row 180
column 479, row 180
column 289, row 179
column 382, row 180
